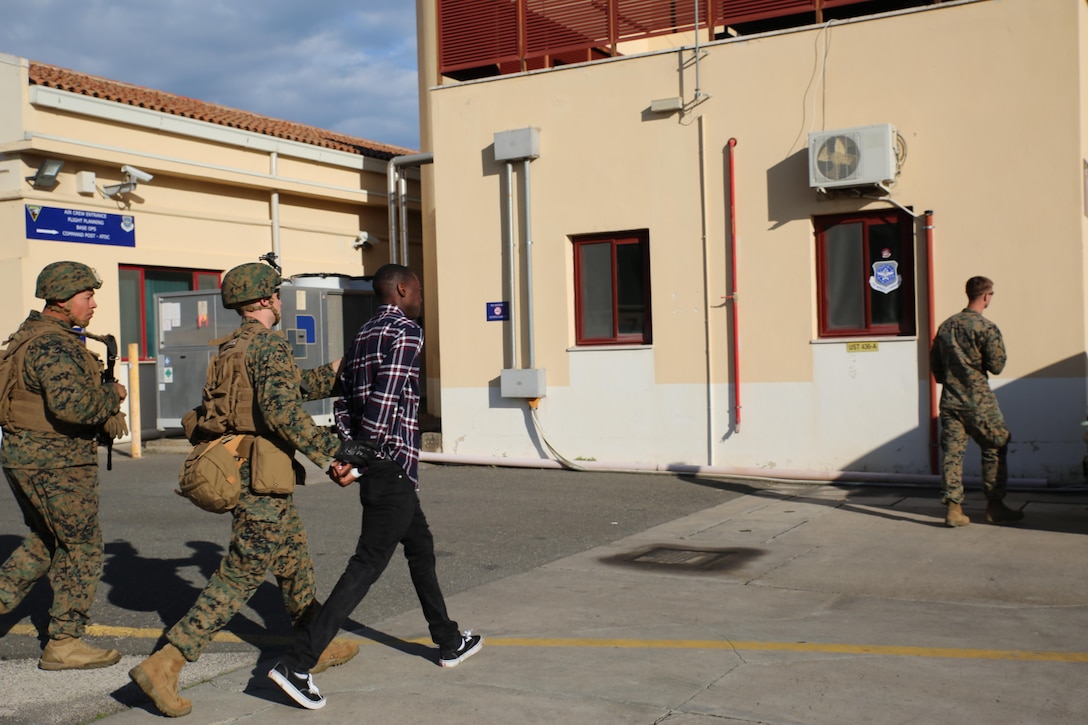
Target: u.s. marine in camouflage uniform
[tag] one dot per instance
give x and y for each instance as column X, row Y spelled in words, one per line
column 267, row 533
column 966, row 350
column 56, row 403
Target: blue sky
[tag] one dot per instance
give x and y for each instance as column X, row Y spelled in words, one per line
column 343, row 65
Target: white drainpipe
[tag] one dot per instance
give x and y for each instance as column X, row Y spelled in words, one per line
column 273, row 159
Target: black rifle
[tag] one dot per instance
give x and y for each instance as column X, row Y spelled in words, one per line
column 108, row 376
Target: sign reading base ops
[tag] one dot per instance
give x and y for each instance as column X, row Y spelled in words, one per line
column 76, row 225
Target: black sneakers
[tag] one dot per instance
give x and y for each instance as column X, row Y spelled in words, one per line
column 299, row 687
column 470, row 645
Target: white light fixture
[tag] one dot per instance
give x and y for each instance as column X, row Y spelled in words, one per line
column 46, row 176
column 133, row 176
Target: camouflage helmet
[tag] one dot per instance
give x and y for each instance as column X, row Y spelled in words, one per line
column 248, row 282
column 61, row 280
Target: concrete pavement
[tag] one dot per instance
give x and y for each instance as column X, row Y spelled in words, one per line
column 795, row 604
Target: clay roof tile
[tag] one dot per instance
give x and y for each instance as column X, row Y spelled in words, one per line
column 74, row 82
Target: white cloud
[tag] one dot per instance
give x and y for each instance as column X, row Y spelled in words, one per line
column 344, row 65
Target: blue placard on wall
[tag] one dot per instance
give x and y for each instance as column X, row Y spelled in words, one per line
column 78, row 225
column 497, row 311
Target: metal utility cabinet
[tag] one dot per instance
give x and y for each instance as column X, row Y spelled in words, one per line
column 320, row 316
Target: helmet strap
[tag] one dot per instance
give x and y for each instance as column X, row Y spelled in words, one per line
column 257, row 306
column 59, row 309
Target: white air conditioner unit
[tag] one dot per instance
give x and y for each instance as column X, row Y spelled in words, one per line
column 858, row 156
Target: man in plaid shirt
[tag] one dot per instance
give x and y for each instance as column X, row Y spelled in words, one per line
column 381, row 381
column 380, row 378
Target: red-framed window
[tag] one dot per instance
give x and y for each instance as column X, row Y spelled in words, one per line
column 865, row 274
column 138, row 286
column 612, row 288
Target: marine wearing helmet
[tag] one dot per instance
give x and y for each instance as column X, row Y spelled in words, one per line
column 59, row 281
column 248, row 282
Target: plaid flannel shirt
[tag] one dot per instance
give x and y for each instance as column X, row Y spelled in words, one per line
column 380, row 379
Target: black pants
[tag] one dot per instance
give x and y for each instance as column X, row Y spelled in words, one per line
column 391, row 516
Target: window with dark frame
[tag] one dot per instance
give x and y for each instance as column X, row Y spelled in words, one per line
column 612, row 288
column 137, row 289
column 865, row 274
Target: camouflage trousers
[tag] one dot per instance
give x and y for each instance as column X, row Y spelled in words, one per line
column 266, row 536
column 60, row 506
column 986, row 426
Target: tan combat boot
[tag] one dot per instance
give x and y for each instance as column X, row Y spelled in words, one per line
column 157, row 676
column 338, row 652
column 955, row 516
column 72, row 653
column 998, row 513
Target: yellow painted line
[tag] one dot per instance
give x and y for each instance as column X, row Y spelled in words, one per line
column 854, row 649
column 98, row 630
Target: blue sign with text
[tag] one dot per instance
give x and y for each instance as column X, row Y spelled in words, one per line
column 497, row 311
column 78, row 225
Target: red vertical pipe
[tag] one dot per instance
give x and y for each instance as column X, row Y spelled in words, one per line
column 934, row 465
column 732, row 296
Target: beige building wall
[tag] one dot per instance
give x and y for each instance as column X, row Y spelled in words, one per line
column 987, row 96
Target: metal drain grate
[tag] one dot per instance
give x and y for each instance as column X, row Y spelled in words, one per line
column 684, row 558
column 680, row 557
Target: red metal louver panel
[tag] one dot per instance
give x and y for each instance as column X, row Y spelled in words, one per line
column 554, row 26
column 475, row 33
column 730, row 12
column 646, row 18
column 507, row 36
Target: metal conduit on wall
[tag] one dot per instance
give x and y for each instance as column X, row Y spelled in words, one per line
column 529, row 266
column 273, row 161
column 398, row 203
column 511, row 265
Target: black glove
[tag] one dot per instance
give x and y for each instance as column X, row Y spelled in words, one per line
column 358, row 453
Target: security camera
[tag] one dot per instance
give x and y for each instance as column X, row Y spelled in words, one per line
column 135, row 174
column 365, row 241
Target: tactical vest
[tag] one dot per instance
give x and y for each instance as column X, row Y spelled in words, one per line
column 21, row 408
column 229, row 401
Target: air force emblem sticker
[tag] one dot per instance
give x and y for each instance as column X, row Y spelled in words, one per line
column 886, row 277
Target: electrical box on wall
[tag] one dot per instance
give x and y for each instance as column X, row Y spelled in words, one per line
column 85, row 181
column 522, row 383
column 521, row 143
